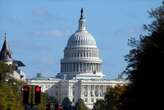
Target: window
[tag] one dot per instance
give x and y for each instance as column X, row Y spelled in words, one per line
column 85, row 100
column 91, row 93
column 101, row 93
column 73, row 93
column 92, row 87
column 92, row 100
column 96, row 93
column 85, row 91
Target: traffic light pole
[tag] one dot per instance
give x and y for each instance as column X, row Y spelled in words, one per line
column 31, row 104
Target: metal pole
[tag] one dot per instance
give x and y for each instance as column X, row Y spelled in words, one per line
column 31, row 104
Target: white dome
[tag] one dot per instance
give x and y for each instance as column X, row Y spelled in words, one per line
column 81, row 38
column 81, row 55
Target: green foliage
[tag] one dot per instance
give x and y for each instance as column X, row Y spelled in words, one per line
column 4, row 71
column 4, row 68
column 145, row 68
column 10, row 89
column 44, row 100
column 113, row 95
column 52, row 100
column 100, row 105
column 112, row 99
column 66, row 103
column 80, row 105
column 10, row 98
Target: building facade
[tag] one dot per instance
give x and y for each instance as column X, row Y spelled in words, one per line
column 6, row 57
column 81, row 75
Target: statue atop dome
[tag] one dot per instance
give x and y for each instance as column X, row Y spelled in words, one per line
column 81, row 13
column 82, row 24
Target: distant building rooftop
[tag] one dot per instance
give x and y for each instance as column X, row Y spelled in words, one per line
column 39, row 76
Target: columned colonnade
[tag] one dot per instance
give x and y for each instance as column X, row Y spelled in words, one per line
column 80, row 67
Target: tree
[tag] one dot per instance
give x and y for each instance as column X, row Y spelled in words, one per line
column 52, row 99
column 80, row 105
column 112, row 98
column 44, row 100
column 4, row 70
column 145, row 68
column 10, row 98
column 66, row 103
column 99, row 105
column 10, row 95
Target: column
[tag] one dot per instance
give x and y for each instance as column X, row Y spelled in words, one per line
column 73, row 67
column 66, row 68
column 96, row 67
column 70, row 67
column 92, row 67
column 78, row 67
column 98, row 90
column 63, row 67
column 101, row 91
column 89, row 93
column 87, row 67
column 90, row 70
column 82, row 69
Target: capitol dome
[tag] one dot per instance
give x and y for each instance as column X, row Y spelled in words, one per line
column 81, row 55
column 81, row 38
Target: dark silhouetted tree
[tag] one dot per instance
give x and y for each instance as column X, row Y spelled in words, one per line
column 112, row 98
column 66, row 103
column 146, row 68
column 80, row 105
column 113, row 95
column 100, row 105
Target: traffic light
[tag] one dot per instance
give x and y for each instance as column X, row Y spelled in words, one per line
column 37, row 94
column 26, row 89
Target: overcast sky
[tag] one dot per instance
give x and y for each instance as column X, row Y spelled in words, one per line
column 38, row 30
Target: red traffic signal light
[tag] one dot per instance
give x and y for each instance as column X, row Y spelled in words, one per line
column 25, row 91
column 37, row 94
column 37, row 89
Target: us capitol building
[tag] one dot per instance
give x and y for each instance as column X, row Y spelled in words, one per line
column 80, row 74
